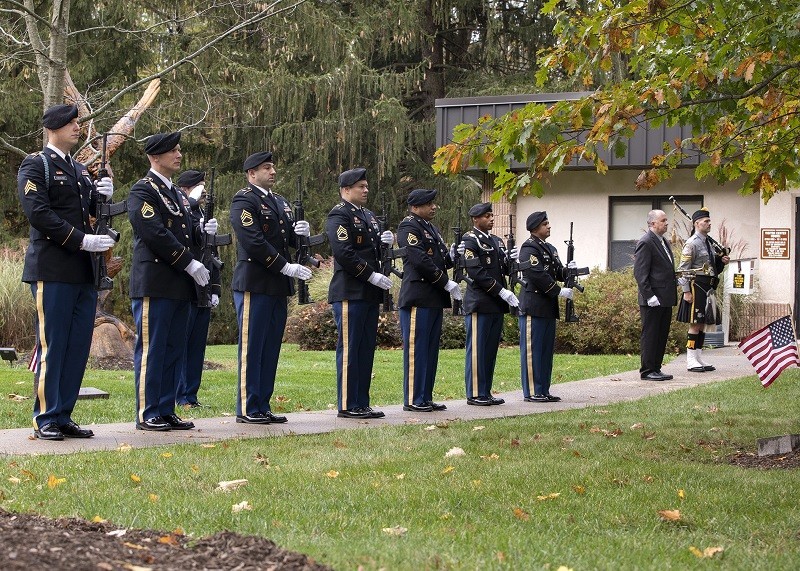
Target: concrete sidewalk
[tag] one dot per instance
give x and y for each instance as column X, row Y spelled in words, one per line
column 599, row 391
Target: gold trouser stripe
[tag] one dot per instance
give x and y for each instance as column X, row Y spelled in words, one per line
column 43, row 358
column 412, row 341
column 245, row 345
column 345, row 351
column 474, row 318
column 145, row 353
column 694, row 299
column 529, row 351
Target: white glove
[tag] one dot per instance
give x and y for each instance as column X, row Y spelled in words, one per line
column 210, row 227
column 509, row 297
column 198, row 272
column 387, row 238
column 461, row 248
column 197, row 191
column 380, row 280
column 513, row 253
column 298, row 271
column 653, row 302
column 214, row 300
column 105, row 186
column 453, row 289
column 572, row 264
column 96, row 243
column 302, row 228
column 565, row 292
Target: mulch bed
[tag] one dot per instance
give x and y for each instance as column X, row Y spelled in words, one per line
column 753, row 460
column 29, row 541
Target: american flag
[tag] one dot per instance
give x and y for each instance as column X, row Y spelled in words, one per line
column 771, row 349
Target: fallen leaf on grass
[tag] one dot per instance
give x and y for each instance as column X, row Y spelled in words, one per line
column 500, row 556
column 670, row 515
column 230, row 485
column 396, row 530
column 490, row 457
column 707, row 552
column 195, row 468
column 551, row 496
column 431, row 427
column 241, row 506
column 514, row 442
column 521, row 514
column 168, row 539
column 153, row 498
column 339, row 444
column 117, row 532
column 14, row 480
column 208, row 445
column 167, row 455
column 564, row 568
column 281, row 398
column 579, row 489
column 681, row 494
column 637, row 426
column 133, row 545
column 136, row 478
column 124, row 447
column 18, row 398
column 399, row 476
column 455, row 452
column 332, row 474
column 261, row 460
column 98, row 519
column 474, row 428
column 648, row 435
column 713, row 410
column 54, row 481
column 448, row 470
column 601, row 411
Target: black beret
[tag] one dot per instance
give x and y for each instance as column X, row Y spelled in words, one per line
column 420, row 196
column 534, row 220
column 480, row 209
column 58, row 115
column 349, row 178
column 256, row 159
column 191, row 178
column 161, row 143
column 702, row 213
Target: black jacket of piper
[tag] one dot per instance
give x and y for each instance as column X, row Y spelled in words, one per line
column 354, row 236
column 264, row 229
column 488, row 278
column 163, row 234
column 58, row 211
column 541, row 270
column 425, row 265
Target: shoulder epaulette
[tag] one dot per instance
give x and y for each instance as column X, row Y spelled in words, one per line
column 243, row 191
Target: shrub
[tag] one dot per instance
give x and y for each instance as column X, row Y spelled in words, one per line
column 17, row 309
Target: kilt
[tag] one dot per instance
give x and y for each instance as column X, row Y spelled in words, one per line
column 703, row 307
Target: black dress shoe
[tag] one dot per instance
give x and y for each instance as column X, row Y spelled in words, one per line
column 72, row 430
column 353, row 413
column 177, row 423
column 495, row 400
column 274, row 418
column 373, row 413
column 537, row 398
column 655, row 376
column 709, row 368
column 418, row 407
column 255, row 418
column 48, row 432
column 666, row 376
column 156, row 423
column 700, row 369
column 436, row 406
column 552, row 398
column 479, row 401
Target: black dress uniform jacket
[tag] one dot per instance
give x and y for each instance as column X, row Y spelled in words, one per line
column 425, row 265
column 488, row 278
column 58, row 210
column 354, row 236
column 163, row 234
column 541, row 270
column 264, row 228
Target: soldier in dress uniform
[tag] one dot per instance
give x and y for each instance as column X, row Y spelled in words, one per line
column 162, row 285
column 191, row 367
column 538, row 308
column 424, row 293
column 486, row 301
column 698, row 306
column 262, row 282
column 355, row 292
column 57, row 197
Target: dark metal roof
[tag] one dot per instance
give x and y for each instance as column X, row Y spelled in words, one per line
column 646, row 142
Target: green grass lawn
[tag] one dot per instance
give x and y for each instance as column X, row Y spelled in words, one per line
column 579, row 488
column 306, row 380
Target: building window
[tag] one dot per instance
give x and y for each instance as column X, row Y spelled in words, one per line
column 628, row 221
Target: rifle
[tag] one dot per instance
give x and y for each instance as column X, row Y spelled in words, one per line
column 105, row 210
column 514, row 271
column 388, row 255
column 459, row 265
column 571, row 279
column 719, row 249
column 304, row 244
column 208, row 252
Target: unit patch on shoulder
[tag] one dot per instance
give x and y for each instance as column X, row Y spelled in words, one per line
column 29, row 186
column 148, row 211
column 341, row 233
column 247, row 218
column 534, row 260
column 413, row 240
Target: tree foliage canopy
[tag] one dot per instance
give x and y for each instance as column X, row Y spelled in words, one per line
column 729, row 69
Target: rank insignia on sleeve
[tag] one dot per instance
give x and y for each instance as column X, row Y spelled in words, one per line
column 247, row 218
column 341, row 233
column 469, row 254
column 29, row 187
column 534, row 260
column 413, row 240
column 148, row 211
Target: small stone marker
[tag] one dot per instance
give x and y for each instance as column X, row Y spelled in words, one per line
column 778, row 444
column 92, row 393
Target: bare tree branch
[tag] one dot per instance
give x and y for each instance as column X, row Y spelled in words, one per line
column 26, row 9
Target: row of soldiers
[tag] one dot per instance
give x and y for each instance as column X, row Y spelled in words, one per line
column 58, row 195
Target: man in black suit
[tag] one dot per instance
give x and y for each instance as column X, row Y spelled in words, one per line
column 57, row 196
column 654, row 270
column 162, row 286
